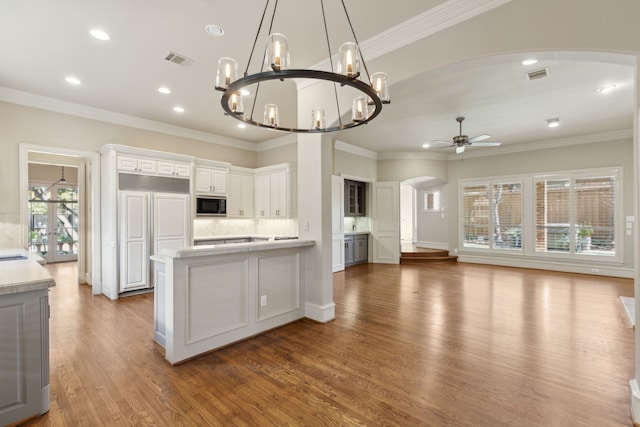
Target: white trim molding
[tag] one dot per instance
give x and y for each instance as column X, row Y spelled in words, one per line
column 73, row 109
column 354, row 149
column 538, row 264
column 320, row 313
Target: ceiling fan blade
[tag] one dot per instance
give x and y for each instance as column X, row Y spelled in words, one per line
column 487, row 144
column 438, row 144
column 479, row 138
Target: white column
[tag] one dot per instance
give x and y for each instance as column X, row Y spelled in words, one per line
column 314, row 222
column 635, row 381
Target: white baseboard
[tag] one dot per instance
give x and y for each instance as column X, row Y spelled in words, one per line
column 433, row 245
column 321, row 314
column 603, row 270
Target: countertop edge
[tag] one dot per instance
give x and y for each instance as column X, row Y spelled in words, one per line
column 231, row 248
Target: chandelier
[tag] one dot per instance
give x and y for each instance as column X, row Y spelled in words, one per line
column 366, row 105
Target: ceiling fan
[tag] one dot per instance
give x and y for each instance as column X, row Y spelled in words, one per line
column 461, row 141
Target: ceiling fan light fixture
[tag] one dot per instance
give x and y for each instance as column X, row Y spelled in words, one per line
column 460, row 149
column 553, row 123
column 372, row 89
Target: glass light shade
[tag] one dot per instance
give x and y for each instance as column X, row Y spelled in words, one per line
column 271, row 117
column 349, row 59
column 359, row 109
column 227, row 72
column 379, row 84
column 235, row 103
column 317, row 119
column 277, row 55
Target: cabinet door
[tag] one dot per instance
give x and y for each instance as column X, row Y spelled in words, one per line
column 203, row 180
column 219, row 182
column 147, row 166
column 349, row 253
column 361, row 250
column 181, row 169
column 262, row 193
column 170, row 221
column 127, row 163
column 134, row 241
column 279, row 194
column 211, row 181
column 246, row 186
column 234, row 196
column 166, row 168
column 337, row 223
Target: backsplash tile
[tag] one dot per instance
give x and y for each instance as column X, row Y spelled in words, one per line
column 10, row 231
column 205, row 227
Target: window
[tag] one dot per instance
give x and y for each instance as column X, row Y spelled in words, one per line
column 576, row 214
column 573, row 214
column 431, row 201
column 492, row 215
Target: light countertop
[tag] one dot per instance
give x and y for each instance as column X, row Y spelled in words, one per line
column 22, row 275
column 232, row 248
column 349, row 233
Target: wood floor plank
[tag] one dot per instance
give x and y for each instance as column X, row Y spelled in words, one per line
column 433, row 345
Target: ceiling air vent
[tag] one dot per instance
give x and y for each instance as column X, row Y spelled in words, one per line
column 538, row 74
column 176, row 58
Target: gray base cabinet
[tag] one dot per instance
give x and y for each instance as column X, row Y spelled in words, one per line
column 356, row 249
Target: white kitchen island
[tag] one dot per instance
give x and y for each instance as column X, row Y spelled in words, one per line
column 210, row 296
column 24, row 336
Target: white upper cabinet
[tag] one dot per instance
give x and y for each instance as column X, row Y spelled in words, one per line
column 273, row 191
column 211, row 181
column 140, row 165
column 240, row 201
column 174, row 169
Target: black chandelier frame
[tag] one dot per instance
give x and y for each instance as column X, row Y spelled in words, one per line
column 374, row 104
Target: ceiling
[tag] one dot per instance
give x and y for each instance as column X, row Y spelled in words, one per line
column 47, row 41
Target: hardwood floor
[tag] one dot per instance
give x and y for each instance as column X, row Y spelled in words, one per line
column 439, row 345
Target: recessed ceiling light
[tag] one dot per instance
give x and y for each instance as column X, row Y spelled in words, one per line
column 164, row 89
column 606, row 89
column 529, row 61
column 425, row 145
column 242, row 125
column 99, row 34
column 553, row 123
column 214, row 30
column 244, row 92
column 72, row 80
column 178, row 109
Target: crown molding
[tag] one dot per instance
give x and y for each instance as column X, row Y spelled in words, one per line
column 73, row 109
column 353, row 149
column 548, row 144
column 438, row 18
column 404, row 155
column 277, row 142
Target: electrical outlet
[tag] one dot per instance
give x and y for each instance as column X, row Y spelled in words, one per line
column 263, row 300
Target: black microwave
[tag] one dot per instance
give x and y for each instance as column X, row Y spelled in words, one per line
column 211, row 206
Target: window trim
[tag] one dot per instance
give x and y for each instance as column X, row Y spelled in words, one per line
column 528, row 218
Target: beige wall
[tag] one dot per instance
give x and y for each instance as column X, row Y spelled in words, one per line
column 354, row 166
column 575, row 157
column 20, row 124
column 51, row 174
column 283, row 154
column 403, row 169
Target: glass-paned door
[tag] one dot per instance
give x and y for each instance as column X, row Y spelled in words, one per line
column 53, row 222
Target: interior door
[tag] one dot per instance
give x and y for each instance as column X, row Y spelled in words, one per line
column 386, row 222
